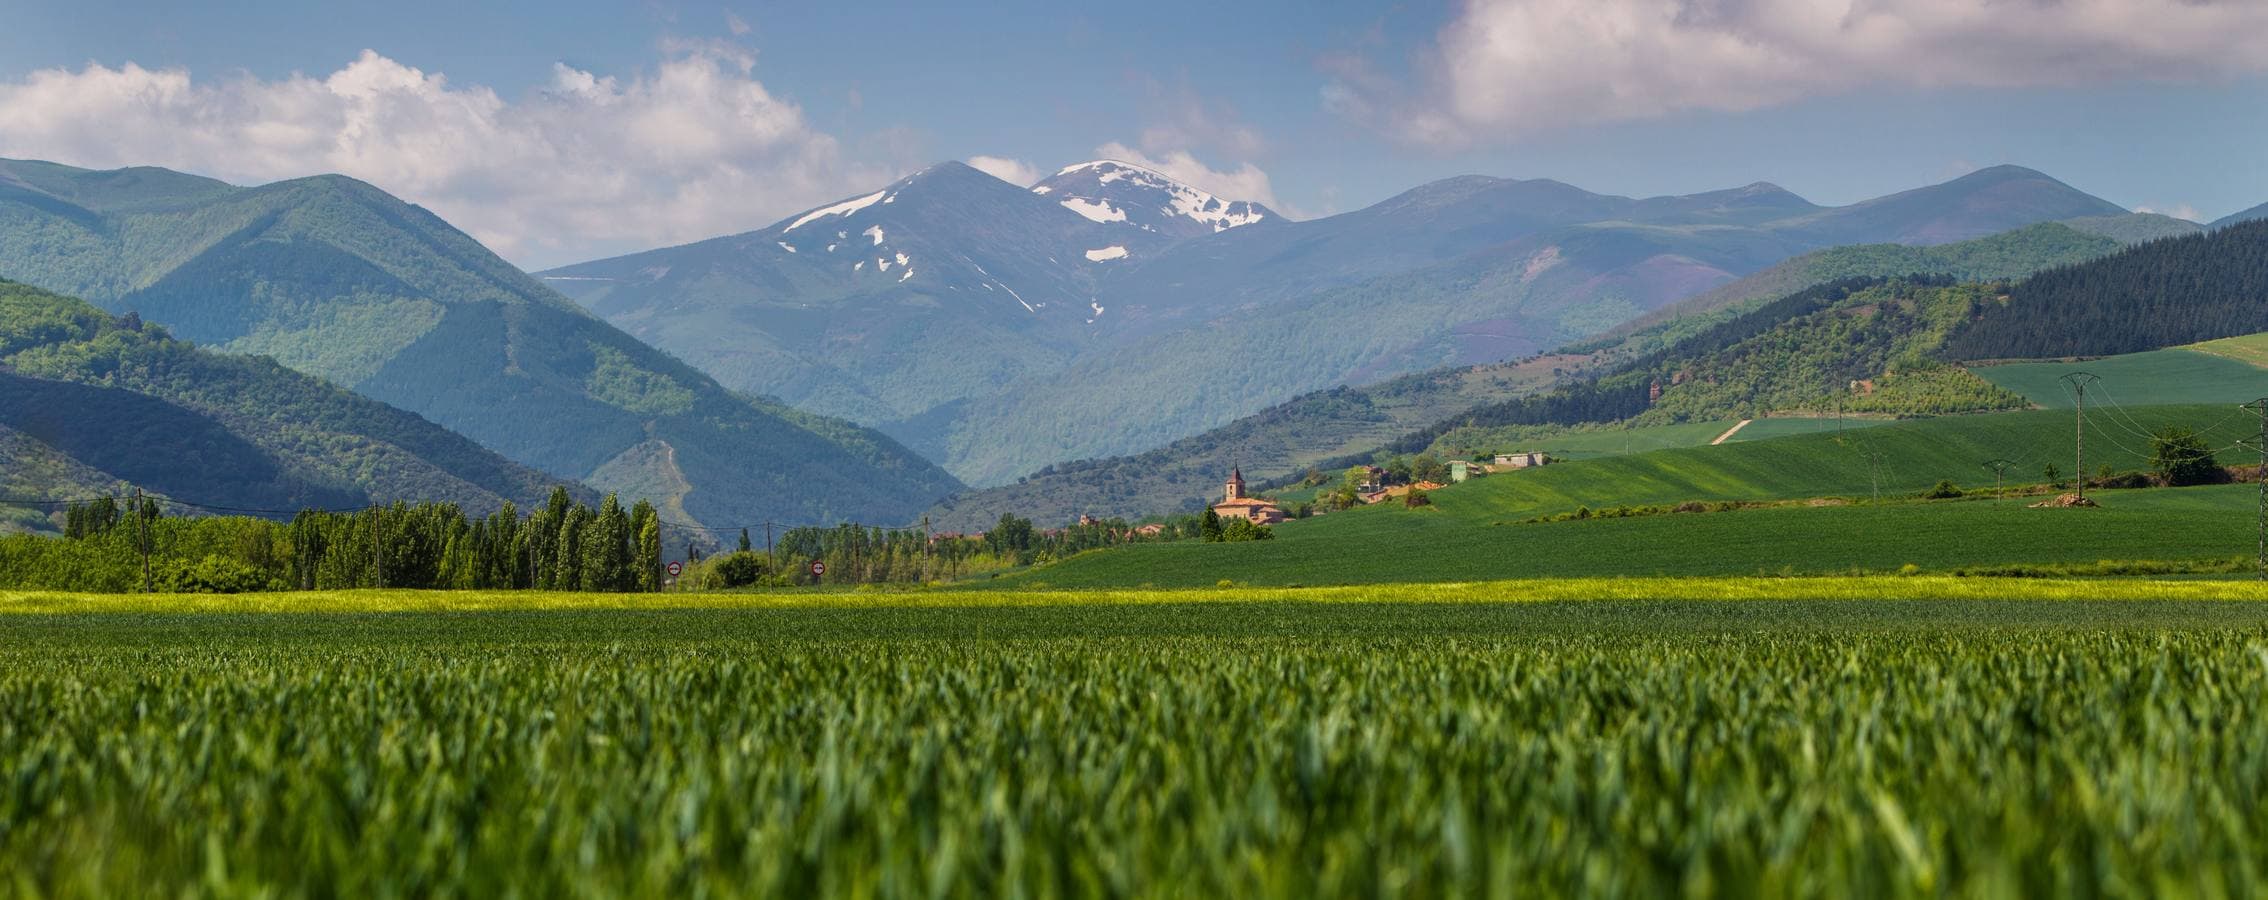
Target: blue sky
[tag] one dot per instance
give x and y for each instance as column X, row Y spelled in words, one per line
column 562, row 130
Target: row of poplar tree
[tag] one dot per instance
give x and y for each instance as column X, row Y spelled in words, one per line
column 563, row 545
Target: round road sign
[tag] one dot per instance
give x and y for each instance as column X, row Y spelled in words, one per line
column 818, row 568
column 676, row 569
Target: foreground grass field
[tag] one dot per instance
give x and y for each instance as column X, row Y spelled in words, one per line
column 1430, row 740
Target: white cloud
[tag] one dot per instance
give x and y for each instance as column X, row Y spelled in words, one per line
column 587, row 165
column 2177, row 210
column 738, row 25
column 1014, row 171
column 1245, row 182
column 1502, row 68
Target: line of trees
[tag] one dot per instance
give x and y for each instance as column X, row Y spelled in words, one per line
column 563, row 545
column 856, row 554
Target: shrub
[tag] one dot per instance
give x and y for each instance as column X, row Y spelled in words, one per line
column 739, row 569
column 1944, row 490
column 2180, row 457
column 212, row 575
column 1240, row 530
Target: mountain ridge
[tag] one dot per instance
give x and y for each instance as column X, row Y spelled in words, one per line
column 1190, row 333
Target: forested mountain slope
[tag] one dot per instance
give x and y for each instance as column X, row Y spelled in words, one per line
column 93, row 402
column 335, row 278
column 2008, row 255
column 2161, row 294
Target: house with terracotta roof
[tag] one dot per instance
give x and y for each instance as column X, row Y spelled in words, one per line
column 1251, row 509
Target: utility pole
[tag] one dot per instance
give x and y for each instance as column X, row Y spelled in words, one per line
column 2079, row 382
column 1999, row 469
column 2261, row 406
column 767, row 542
column 142, row 530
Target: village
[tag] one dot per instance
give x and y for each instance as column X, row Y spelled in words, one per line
column 1364, row 486
column 862, row 554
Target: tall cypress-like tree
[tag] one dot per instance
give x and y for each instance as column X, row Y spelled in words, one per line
column 606, row 548
column 567, row 571
column 645, row 562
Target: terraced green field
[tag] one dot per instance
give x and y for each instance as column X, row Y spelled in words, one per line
column 2155, row 378
column 1430, row 741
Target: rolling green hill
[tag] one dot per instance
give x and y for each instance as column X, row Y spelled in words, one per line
column 2178, row 375
column 335, row 278
column 1478, row 530
column 90, row 403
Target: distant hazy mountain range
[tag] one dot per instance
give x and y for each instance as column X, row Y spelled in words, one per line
column 1109, row 309
column 335, row 278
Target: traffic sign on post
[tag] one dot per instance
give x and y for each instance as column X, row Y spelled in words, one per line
column 818, row 568
column 676, row 569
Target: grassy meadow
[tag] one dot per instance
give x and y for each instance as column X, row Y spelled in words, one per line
column 1763, row 737
column 2176, row 376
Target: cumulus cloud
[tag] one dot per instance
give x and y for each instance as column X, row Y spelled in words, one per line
column 1014, row 171
column 1245, row 182
column 1180, row 127
column 2177, row 210
column 1502, row 68
column 586, row 165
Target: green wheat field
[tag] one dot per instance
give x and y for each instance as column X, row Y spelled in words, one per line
column 1767, row 737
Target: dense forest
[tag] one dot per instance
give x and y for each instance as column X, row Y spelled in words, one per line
column 2160, row 294
column 562, row 545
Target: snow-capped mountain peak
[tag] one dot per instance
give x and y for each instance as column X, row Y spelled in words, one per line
column 1113, row 192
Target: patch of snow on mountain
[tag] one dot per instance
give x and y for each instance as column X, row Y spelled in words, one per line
column 882, row 264
column 1042, row 189
column 1019, row 298
column 1097, row 210
column 1111, row 252
column 903, row 261
column 784, row 246
column 860, row 267
column 909, row 274
column 1181, row 200
column 1098, row 308
column 875, row 232
column 840, row 209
